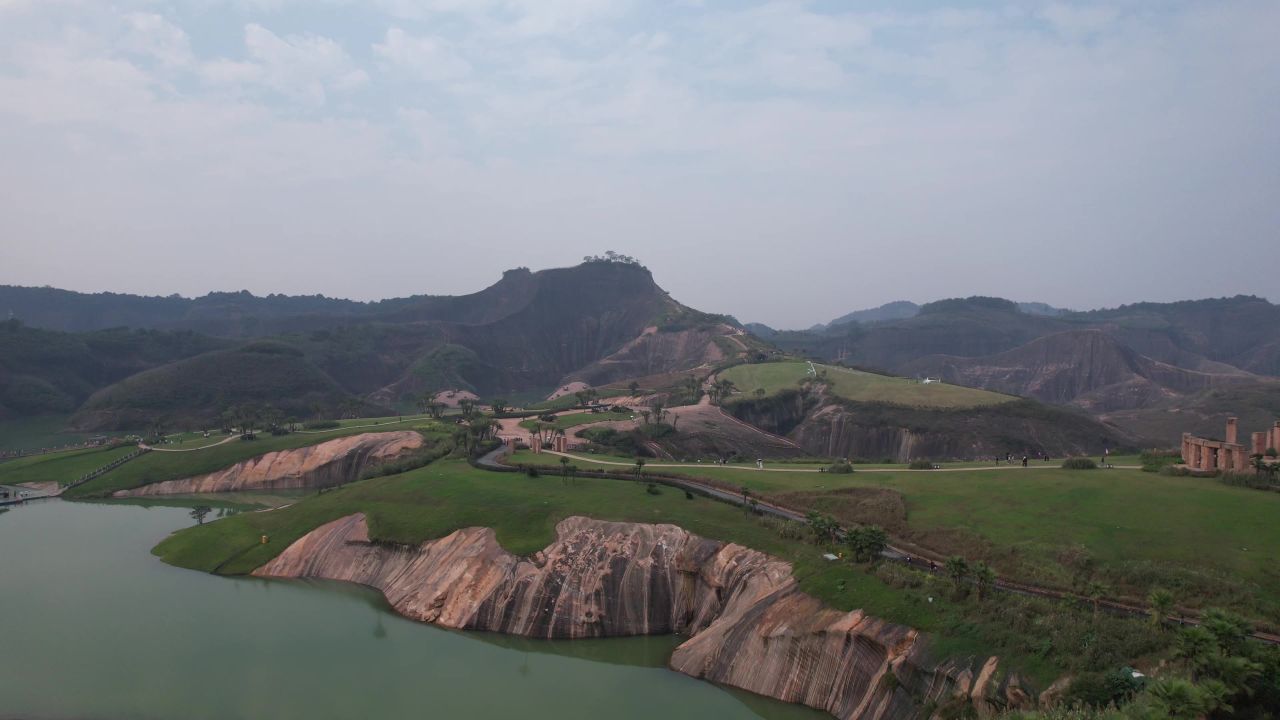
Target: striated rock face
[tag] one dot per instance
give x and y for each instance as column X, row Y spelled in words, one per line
column 749, row 625
column 323, row 465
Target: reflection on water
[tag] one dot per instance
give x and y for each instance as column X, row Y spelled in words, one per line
column 93, row 626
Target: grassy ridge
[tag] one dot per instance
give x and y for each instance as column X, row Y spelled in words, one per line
column 62, row 467
column 160, row 466
column 859, row 386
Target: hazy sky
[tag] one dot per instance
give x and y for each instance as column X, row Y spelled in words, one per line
column 782, row 161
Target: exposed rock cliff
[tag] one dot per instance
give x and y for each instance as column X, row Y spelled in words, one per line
column 750, row 626
column 1087, row 367
column 828, row 427
column 323, row 465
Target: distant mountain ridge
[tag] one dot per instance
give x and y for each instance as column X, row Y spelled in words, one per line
column 1119, row 363
column 603, row 320
column 243, row 314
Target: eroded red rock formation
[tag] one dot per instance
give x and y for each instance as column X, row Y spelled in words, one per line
column 749, row 624
column 322, row 465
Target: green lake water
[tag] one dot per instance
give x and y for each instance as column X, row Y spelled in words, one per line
column 93, row 627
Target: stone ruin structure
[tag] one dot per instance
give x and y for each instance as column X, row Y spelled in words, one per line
column 1229, row 454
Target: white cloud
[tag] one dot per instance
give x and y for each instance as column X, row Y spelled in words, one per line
column 153, row 36
column 1079, row 20
column 427, row 57
column 302, row 67
column 748, row 130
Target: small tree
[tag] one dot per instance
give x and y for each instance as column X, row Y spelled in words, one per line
column 633, row 387
column 866, row 543
column 200, row 512
column 564, row 466
column 499, row 405
column 639, row 467
column 824, row 527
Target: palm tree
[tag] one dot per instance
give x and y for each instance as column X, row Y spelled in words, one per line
column 1095, row 590
column 958, row 570
column 659, row 412
column 639, row 467
column 984, row 578
column 564, row 466
column 1178, row 698
column 692, row 385
column 1161, row 602
column 468, row 407
column 1196, row 647
column 721, row 389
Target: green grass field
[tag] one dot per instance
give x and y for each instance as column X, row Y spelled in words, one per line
column 159, row 466
column 62, row 467
column 858, row 386
column 1208, row 542
column 568, row 420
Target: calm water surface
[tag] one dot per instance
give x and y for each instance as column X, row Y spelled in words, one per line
column 93, row 627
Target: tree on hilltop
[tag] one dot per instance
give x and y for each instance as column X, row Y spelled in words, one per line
column 611, row 257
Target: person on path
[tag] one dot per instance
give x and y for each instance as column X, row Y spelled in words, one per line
column 1024, row 461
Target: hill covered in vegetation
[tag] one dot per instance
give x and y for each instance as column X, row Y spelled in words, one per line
column 602, row 321
column 1116, row 363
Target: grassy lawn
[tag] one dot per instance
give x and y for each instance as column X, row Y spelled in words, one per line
column 62, row 467
column 159, row 466
column 859, row 386
column 567, row 401
column 434, row 501
column 568, row 420
column 1208, row 542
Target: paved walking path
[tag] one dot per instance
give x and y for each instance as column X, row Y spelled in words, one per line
column 223, row 441
column 703, row 466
